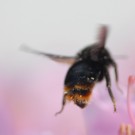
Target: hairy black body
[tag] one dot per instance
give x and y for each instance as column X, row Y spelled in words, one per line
column 88, row 67
column 91, row 67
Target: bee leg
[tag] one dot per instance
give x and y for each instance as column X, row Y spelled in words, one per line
column 116, row 75
column 108, row 84
column 63, row 104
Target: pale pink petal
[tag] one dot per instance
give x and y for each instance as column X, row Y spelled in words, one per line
column 131, row 83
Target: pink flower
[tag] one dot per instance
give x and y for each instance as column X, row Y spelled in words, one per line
column 130, row 128
column 100, row 117
column 32, row 99
column 102, row 120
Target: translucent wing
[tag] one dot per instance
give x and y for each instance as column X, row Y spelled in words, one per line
column 96, row 48
column 102, row 35
column 121, row 57
column 57, row 58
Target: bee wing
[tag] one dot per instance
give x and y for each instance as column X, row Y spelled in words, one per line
column 120, row 57
column 57, row 58
column 102, row 35
column 101, row 40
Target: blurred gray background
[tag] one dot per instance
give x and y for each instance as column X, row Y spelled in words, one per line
column 62, row 27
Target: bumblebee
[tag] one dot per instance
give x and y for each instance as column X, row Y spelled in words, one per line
column 88, row 67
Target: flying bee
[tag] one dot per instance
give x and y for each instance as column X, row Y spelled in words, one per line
column 88, row 67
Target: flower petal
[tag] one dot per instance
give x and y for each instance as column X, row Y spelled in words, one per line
column 131, row 83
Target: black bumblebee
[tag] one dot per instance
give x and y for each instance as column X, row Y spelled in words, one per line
column 88, row 67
